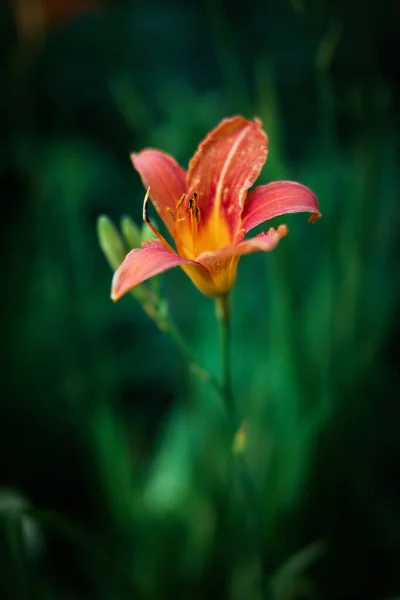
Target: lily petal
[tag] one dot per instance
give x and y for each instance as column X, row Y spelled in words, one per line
column 226, row 164
column 266, row 241
column 222, row 264
column 165, row 178
column 275, row 199
column 141, row 264
column 263, row 242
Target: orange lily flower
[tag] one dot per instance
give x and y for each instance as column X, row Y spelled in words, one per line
column 208, row 210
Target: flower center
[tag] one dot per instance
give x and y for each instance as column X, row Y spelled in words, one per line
column 194, row 235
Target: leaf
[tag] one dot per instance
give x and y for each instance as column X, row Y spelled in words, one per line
column 290, row 573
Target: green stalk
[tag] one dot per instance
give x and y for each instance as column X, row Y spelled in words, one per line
column 223, row 313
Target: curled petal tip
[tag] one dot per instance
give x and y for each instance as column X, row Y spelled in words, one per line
column 283, row 230
column 314, row 217
column 113, row 295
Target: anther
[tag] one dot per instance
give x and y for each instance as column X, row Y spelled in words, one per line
column 191, row 204
column 181, row 199
column 171, row 213
column 197, row 214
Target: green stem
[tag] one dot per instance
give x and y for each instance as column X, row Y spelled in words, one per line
column 223, row 313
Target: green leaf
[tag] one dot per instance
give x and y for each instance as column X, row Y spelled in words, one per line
column 289, row 575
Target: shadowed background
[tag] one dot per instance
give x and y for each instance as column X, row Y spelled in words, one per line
column 114, row 459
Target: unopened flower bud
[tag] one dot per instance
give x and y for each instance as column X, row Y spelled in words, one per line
column 131, row 233
column 110, row 242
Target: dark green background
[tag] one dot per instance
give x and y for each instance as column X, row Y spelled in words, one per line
column 114, row 480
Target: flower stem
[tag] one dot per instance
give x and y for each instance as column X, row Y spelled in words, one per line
column 223, row 313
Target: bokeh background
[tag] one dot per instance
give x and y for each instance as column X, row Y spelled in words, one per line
column 114, row 459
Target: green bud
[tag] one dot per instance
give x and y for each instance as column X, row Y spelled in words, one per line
column 110, row 242
column 131, row 233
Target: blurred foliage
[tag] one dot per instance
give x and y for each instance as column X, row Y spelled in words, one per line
column 114, row 458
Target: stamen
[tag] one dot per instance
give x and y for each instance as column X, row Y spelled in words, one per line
column 178, row 219
column 194, row 219
column 193, row 203
column 181, row 199
column 150, row 224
